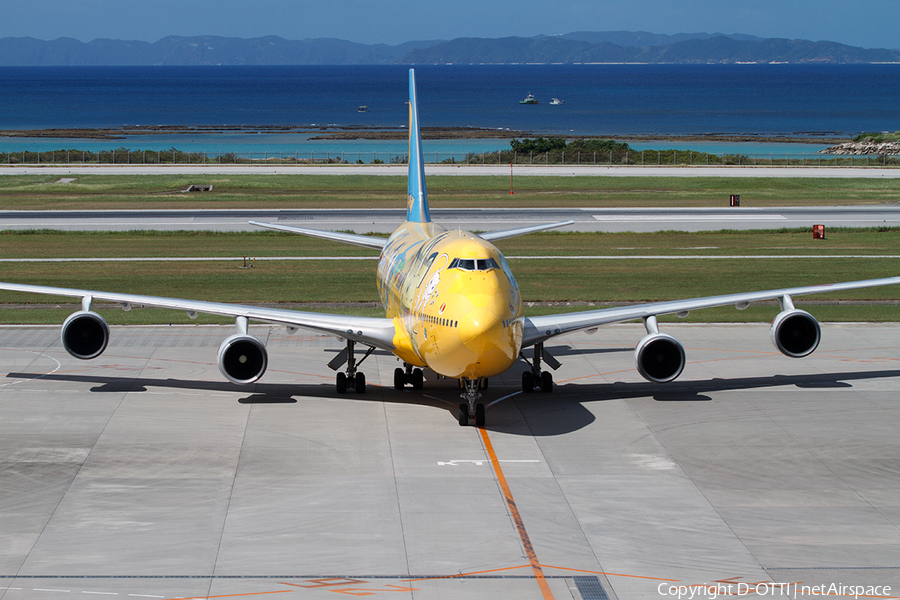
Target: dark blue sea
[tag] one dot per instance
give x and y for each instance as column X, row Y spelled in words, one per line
column 795, row 100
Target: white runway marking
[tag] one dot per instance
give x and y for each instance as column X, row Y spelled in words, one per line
column 702, row 256
column 536, row 257
column 670, row 217
column 502, row 398
column 481, row 462
column 40, row 354
column 183, row 259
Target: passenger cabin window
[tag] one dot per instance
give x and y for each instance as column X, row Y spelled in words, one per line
column 474, row 264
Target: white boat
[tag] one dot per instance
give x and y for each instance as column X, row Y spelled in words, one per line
column 557, row 102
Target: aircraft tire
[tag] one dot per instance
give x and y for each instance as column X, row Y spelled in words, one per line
column 399, row 378
column 360, row 383
column 341, row 383
column 527, row 382
column 463, row 415
column 418, row 379
column 479, row 415
column 547, row 382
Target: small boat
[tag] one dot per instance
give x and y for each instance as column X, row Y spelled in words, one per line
column 362, row 108
column 529, row 99
column 557, row 102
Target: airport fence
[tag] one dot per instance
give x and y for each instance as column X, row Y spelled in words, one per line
column 631, row 157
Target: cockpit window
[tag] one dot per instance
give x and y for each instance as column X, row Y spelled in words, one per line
column 474, row 264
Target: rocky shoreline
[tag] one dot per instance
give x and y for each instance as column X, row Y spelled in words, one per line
column 864, row 149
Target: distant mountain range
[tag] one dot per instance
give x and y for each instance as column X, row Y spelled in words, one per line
column 577, row 47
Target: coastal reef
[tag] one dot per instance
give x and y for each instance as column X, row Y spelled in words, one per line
column 862, row 148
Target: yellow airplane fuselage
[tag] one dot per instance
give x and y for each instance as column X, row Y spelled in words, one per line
column 455, row 304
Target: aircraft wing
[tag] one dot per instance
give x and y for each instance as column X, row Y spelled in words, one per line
column 365, row 241
column 372, row 331
column 492, row 236
column 377, row 243
column 542, row 328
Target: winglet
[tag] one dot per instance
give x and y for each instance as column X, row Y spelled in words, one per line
column 417, row 203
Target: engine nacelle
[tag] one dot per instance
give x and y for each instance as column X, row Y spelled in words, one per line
column 242, row 358
column 85, row 334
column 795, row 333
column 659, row 357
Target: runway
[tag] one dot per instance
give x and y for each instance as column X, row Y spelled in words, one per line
column 144, row 474
column 386, row 220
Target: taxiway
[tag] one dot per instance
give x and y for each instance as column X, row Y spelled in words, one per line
column 143, row 474
column 386, row 220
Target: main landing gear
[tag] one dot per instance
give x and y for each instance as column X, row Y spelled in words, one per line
column 351, row 379
column 469, row 409
column 535, row 378
column 409, row 375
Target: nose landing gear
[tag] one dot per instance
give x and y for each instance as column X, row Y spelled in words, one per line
column 471, row 410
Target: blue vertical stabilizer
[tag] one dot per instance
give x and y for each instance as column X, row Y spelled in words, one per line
column 417, row 203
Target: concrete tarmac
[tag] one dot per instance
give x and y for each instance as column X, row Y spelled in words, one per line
column 144, row 474
column 386, row 220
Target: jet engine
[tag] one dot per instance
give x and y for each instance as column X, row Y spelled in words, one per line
column 242, row 358
column 795, row 333
column 659, row 357
column 85, row 334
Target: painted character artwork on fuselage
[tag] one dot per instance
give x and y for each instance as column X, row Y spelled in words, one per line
column 455, row 300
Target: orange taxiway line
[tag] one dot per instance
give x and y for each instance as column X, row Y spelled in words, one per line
column 610, row 574
column 459, row 575
column 514, row 511
column 231, row 595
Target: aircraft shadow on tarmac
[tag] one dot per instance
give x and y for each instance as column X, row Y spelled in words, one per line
column 561, row 412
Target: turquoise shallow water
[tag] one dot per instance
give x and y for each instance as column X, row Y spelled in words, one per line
column 301, row 146
column 271, row 143
column 267, row 146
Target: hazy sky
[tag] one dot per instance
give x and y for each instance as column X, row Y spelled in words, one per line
column 867, row 23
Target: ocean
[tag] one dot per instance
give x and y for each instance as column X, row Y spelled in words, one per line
column 809, row 101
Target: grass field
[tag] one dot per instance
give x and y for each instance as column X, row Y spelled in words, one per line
column 363, row 191
column 622, row 277
column 625, row 278
column 107, row 244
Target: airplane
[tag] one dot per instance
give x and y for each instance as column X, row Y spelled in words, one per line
column 451, row 305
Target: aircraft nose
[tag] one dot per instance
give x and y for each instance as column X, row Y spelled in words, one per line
column 485, row 333
column 479, row 330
